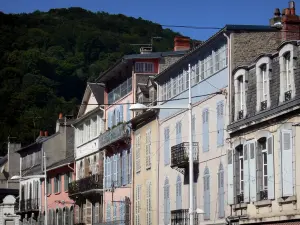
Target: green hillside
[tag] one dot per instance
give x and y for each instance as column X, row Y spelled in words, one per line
column 47, row 58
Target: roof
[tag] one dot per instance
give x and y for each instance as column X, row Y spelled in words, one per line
column 61, row 163
column 128, row 58
column 227, row 28
column 3, row 160
column 98, row 91
column 144, row 89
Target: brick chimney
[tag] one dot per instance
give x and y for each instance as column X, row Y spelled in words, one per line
column 182, row 43
column 290, row 23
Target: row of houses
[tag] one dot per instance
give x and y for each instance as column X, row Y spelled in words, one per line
column 113, row 165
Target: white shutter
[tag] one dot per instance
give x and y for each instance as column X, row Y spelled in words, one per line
column 252, row 170
column 270, row 169
column 138, row 152
column 148, row 149
column 230, row 195
column 246, row 173
column 287, row 164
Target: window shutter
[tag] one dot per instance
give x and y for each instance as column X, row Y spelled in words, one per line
column 121, row 114
column 67, row 216
column 194, row 128
column 119, row 178
column 149, row 209
column 195, row 195
column 221, row 192
column 178, row 193
column 178, row 132
column 109, row 119
column 220, row 123
column 109, row 163
column 138, row 153
column 166, row 202
column 108, row 219
column 148, row 149
column 206, row 186
column 166, row 147
column 205, row 134
column 129, row 166
column 123, row 168
column 252, row 171
column 246, row 173
column 270, row 169
column 287, row 164
column 105, row 172
column 128, row 113
column 126, row 170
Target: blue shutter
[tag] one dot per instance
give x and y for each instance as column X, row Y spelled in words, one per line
column 114, row 169
column 252, row 171
column 121, row 114
column 126, row 168
column 119, row 170
column 230, row 192
column 129, row 166
column 221, row 193
column 178, row 132
column 178, row 192
column 114, row 211
column 109, row 119
column 108, row 212
column 193, row 128
column 167, row 202
column 105, row 172
column 287, row 177
column 128, row 111
column 220, row 123
column 270, row 169
column 246, row 173
column 206, row 186
column 166, row 146
column 123, row 167
column 205, row 140
column 109, row 163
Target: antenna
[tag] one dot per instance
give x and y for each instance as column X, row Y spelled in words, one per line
column 147, row 47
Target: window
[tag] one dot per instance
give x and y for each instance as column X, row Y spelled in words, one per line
column 178, row 132
column 241, row 170
column 206, row 191
column 240, row 99
column 66, row 181
column 262, row 168
column 148, row 149
column 220, row 123
column 94, row 127
column 167, row 211
column 57, row 184
column 138, row 205
column 287, row 55
column 49, row 186
column 205, row 133
column 178, row 193
column 175, row 86
column 167, row 146
column 144, row 67
column 149, row 204
column 138, row 152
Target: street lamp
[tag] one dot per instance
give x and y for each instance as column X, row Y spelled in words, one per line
column 44, row 176
column 138, row 106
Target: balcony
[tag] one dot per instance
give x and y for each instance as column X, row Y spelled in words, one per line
column 119, row 133
column 181, row 217
column 93, row 182
column 28, row 205
column 180, row 155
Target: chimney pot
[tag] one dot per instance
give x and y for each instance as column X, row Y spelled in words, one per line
column 277, row 12
column 60, row 116
column 46, row 133
column 41, row 133
column 287, row 12
column 283, row 12
column 181, row 43
column 292, row 4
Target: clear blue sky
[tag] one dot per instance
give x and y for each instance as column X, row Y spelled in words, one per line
column 214, row 13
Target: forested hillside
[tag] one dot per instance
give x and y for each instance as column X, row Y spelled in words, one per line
column 47, row 58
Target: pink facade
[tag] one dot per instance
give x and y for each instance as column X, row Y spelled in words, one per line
column 60, row 206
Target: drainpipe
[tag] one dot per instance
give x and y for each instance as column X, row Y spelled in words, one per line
column 158, row 157
column 104, row 187
column 229, row 74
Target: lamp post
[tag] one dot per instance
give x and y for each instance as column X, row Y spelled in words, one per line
column 44, row 176
column 139, row 106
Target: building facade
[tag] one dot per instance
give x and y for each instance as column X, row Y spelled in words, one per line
column 262, row 160
column 123, row 84
column 87, row 189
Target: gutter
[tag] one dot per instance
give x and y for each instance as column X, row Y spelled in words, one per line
column 56, row 167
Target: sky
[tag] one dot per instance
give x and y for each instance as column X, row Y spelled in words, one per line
column 200, row 13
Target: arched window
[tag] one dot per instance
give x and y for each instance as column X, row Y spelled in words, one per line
column 178, row 192
column 206, row 191
column 221, row 191
column 167, row 211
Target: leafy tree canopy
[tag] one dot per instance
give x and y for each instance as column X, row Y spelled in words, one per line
column 46, row 58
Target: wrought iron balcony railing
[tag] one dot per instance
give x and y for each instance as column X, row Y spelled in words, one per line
column 181, row 217
column 180, row 154
column 120, row 132
column 240, row 198
column 27, row 205
column 263, row 194
column 86, row 184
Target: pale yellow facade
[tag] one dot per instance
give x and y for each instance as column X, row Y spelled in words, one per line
column 145, row 173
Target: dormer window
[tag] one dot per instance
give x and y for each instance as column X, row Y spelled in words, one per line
column 240, row 94
column 287, row 54
column 263, row 68
column 144, row 67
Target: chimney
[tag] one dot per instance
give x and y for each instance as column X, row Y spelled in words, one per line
column 60, row 116
column 290, row 23
column 276, row 20
column 41, row 133
column 182, row 43
column 46, row 133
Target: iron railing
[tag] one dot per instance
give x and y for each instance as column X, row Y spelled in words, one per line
column 86, row 184
column 182, row 217
column 26, row 205
column 114, row 134
column 180, row 154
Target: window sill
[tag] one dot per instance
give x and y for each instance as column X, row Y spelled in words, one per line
column 48, row 195
column 57, row 193
column 239, row 206
column 66, row 191
column 263, row 203
column 287, row 200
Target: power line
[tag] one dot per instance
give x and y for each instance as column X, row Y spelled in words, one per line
column 194, row 27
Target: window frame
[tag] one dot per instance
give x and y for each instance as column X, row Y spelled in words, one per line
column 240, row 101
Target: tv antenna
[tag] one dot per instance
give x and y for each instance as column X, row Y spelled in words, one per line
column 147, row 47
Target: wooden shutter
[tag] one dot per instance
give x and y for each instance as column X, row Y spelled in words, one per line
column 148, row 149
column 108, row 172
column 148, row 209
column 128, row 113
column 166, row 146
column 246, row 173
column 126, row 171
column 252, row 171
column 105, row 172
column 166, row 201
column 129, row 166
column 119, row 170
column 86, row 167
column 138, row 152
column 178, row 132
column 221, row 192
column 205, row 135
column 270, row 169
column 178, row 193
column 206, row 186
column 220, row 123
column 287, row 164
column 230, row 178
column 121, row 114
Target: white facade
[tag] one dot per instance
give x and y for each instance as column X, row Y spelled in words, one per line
column 7, row 211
